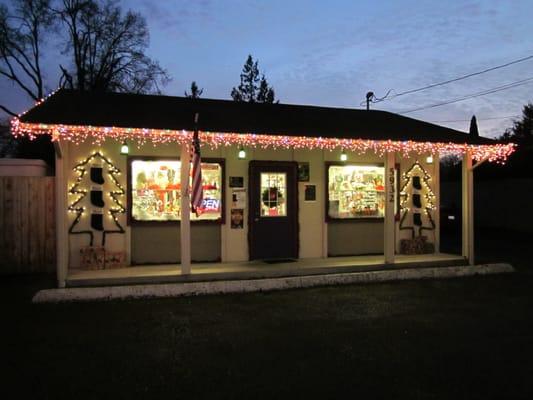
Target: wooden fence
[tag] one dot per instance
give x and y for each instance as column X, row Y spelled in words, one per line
column 27, row 224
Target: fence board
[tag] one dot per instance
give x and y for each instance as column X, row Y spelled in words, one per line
column 27, row 221
column 2, row 221
column 9, row 221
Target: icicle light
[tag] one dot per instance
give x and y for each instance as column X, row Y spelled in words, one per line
column 77, row 134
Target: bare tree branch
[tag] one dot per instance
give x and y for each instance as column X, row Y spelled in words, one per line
column 7, row 110
column 108, row 48
column 22, row 31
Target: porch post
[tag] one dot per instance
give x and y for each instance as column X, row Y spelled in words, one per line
column 185, row 225
column 468, row 208
column 62, row 243
column 389, row 225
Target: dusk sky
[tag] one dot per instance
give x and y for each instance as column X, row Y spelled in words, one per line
column 332, row 53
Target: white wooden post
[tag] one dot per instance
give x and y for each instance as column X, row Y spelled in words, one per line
column 62, row 244
column 185, row 225
column 389, row 225
column 436, row 192
column 468, row 208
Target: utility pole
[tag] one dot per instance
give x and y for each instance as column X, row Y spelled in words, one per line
column 369, row 97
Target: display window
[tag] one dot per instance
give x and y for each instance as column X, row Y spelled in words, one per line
column 355, row 191
column 155, row 190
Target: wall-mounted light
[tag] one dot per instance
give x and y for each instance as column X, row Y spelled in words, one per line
column 242, row 154
column 124, row 149
column 429, row 159
column 344, row 156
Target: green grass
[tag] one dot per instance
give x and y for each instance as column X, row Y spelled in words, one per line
column 443, row 339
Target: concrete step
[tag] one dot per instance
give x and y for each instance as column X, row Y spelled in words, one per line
column 164, row 290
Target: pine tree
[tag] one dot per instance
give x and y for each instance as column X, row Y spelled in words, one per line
column 253, row 89
column 522, row 130
column 195, row 91
column 474, row 131
column 266, row 93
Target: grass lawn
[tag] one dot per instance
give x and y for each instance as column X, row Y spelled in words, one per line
column 465, row 338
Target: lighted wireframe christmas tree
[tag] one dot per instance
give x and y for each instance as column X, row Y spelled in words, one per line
column 97, row 162
column 417, row 200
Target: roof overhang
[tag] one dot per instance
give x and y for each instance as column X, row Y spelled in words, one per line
column 496, row 152
column 78, row 117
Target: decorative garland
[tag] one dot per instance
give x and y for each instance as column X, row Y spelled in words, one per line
column 82, row 193
column 429, row 196
column 272, row 197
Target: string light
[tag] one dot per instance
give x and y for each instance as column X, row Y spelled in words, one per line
column 81, row 193
column 77, row 134
column 429, row 196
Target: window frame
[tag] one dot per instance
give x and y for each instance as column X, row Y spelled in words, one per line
column 134, row 222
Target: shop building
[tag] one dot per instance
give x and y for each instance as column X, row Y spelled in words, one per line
column 280, row 182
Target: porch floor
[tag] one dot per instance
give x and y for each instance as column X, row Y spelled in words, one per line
column 253, row 269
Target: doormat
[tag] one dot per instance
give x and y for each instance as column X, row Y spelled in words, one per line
column 279, row 260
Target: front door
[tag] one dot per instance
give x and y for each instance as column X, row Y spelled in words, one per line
column 273, row 217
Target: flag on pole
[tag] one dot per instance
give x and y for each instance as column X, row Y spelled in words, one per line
column 197, row 190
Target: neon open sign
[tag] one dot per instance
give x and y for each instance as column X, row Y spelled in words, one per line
column 210, row 205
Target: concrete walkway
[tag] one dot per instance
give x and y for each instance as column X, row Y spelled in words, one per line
column 257, row 285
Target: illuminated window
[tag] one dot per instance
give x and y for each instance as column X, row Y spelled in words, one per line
column 273, row 194
column 356, row 191
column 155, row 189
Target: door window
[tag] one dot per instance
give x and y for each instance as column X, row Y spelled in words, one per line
column 273, row 194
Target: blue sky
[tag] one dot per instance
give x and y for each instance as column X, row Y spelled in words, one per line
column 332, row 53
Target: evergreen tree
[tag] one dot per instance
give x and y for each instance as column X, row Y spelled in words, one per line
column 266, row 93
column 195, row 91
column 522, row 130
column 253, row 89
column 474, row 131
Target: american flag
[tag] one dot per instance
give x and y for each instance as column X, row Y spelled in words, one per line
column 197, row 191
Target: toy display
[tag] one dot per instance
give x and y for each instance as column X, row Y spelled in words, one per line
column 156, row 191
column 356, row 191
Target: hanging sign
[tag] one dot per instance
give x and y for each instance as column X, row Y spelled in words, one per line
column 238, row 198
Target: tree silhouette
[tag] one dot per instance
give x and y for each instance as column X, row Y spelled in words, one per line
column 252, row 88
column 22, row 33
column 474, row 131
column 195, row 91
column 107, row 49
column 265, row 93
column 522, row 130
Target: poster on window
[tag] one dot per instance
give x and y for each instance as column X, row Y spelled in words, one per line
column 356, row 191
column 156, row 191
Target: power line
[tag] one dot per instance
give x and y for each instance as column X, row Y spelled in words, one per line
column 452, row 80
column 478, row 119
column 474, row 95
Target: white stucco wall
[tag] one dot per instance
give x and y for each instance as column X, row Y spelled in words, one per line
column 233, row 242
